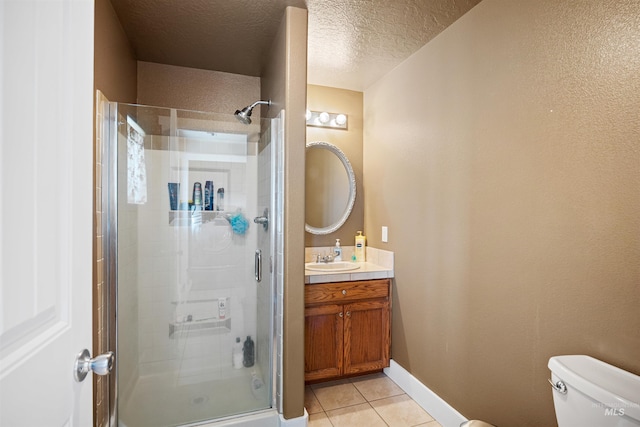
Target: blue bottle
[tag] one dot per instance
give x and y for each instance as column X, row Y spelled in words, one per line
column 208, row 196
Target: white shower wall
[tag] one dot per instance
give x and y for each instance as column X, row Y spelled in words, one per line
column 169, row 287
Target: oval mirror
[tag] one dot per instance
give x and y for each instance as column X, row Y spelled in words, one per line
column 330, row 188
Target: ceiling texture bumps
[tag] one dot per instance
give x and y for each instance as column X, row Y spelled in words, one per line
column 351, row 43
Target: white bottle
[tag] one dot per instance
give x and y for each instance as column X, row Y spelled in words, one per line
column 359, row 250
column 237, row 354
column 337, row 251
column 222, row 308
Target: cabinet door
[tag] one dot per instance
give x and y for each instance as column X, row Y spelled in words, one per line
column 323, row 345
column 367, row 336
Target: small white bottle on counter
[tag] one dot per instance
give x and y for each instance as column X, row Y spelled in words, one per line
column 337, row 251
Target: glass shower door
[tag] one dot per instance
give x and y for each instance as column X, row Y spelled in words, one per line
column 194, row 326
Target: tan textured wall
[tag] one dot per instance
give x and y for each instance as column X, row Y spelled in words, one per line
column 505, row 158
column 114, row 60
column 170, row 86
column 333, row 100
column 284, row 81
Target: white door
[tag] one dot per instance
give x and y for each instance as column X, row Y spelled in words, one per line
column 46, row 144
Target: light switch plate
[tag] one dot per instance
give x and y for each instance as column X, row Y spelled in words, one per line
column 385, row 234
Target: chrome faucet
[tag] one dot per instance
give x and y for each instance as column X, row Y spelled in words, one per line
column 325, row 259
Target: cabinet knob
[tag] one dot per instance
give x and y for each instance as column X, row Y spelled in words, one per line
column 344, row 292
column 340, row 314
column 348, row 314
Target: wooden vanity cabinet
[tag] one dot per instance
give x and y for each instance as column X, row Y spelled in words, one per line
column 347, row 328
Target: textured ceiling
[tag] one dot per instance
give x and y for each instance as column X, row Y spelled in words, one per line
column 352, row 43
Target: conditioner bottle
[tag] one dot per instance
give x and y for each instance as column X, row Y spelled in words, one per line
column 248, row 351
column 360, row 251
column 237, row 354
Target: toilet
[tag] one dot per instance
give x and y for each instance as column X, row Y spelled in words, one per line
column 590, row 393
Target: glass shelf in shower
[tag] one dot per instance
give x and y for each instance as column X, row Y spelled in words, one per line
column 216, row 326
column 189, row 218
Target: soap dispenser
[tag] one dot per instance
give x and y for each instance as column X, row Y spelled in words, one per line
column 337, row 251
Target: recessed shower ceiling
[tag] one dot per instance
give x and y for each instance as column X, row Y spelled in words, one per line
column 352, row 43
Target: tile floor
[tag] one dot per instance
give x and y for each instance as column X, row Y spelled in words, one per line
column 371, row 401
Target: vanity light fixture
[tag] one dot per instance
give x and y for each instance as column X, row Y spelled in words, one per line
column 325, row 119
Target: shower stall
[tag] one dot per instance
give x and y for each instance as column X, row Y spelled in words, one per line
column 191, row 205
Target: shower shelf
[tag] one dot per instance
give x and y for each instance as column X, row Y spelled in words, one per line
column 209, row 325
column 186, row 218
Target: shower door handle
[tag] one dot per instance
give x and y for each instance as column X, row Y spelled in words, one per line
column 100, row 365
column 264, row 219
column 258, row 265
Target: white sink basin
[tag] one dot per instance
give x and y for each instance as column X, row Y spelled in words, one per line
column 331, row 266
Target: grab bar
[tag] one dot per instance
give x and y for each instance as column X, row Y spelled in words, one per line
column 258, row 265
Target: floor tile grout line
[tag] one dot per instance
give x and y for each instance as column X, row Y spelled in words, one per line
column 356, row 388
column 350, row 406
column 353, row 382
column 433, row 420
column 379, row 415
column 370, row 406
column 328, row 419
column 388, row 397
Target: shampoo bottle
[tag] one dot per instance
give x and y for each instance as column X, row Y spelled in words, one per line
column 337, row 251
column 237, row 354
column 248, row 350
column 197, row 196
column 359, row 251
column 208, row 196
column 220, row 200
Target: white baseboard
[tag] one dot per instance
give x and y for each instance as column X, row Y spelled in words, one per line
column 295, row 422
column 443, row 413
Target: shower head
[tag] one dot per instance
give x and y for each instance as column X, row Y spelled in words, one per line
column 244, row 115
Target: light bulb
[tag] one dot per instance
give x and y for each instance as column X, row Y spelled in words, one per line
column 324, row 117
column 341, row 119
column 308, row 115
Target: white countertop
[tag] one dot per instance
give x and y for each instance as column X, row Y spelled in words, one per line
column 367, row 271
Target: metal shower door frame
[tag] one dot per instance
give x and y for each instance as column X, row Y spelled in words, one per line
column 109, row 217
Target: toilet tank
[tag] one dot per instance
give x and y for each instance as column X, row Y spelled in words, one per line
column 597, row 394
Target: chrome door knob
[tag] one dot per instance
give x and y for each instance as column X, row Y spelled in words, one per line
column 100, row 365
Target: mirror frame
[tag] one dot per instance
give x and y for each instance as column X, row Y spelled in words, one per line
column 352, row 189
